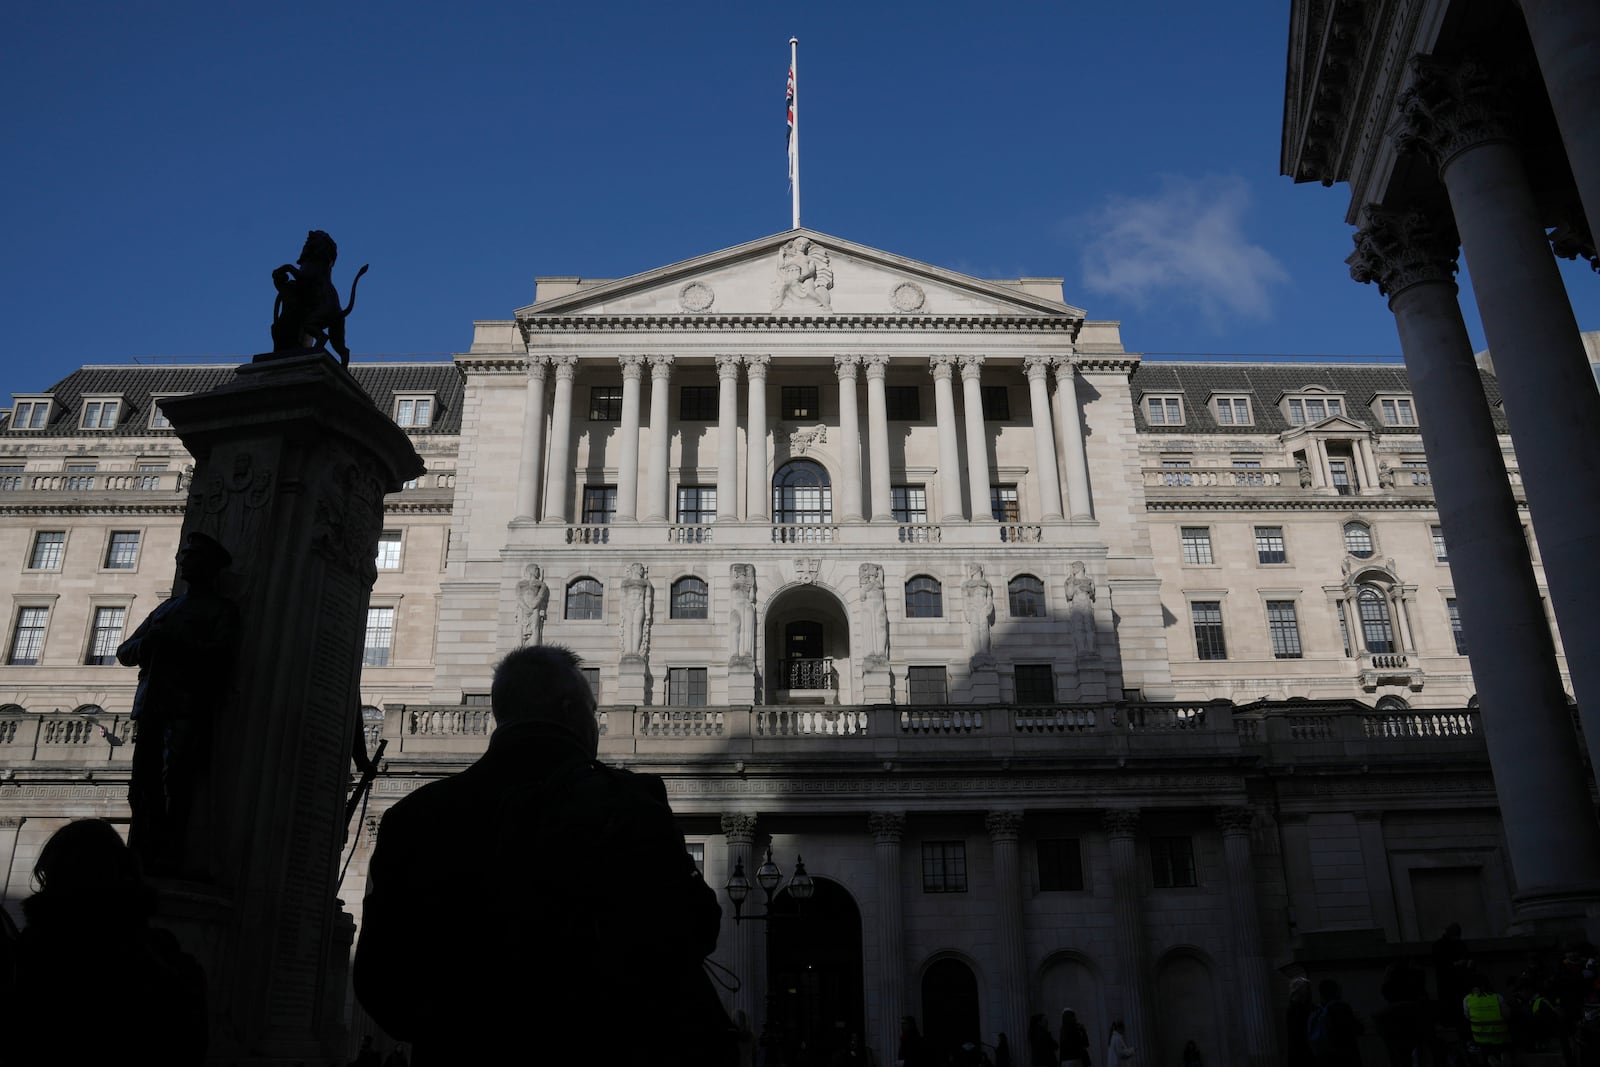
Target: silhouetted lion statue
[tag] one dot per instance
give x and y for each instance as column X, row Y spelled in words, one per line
column 307, row 312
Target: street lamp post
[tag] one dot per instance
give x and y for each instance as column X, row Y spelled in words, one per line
column 768, row 877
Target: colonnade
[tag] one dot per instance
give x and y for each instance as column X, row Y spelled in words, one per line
column 550, row 469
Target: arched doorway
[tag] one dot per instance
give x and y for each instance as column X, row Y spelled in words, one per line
column 814, row 974
column 950, row 1008
column 1186, row 1008
column 807, row 658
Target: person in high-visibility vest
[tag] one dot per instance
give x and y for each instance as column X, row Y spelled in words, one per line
column 1489, row 1016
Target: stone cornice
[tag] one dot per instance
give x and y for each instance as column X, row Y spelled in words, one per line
column 168, row 507
column 496, row 364
column 539, row 324
column 1332, row 503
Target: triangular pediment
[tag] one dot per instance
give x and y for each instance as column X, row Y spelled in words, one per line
column 1333, row 423
column 801, row 273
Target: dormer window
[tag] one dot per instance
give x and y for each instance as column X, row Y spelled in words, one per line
column 1232, row 410
column 1164, row 410
column 413, row 412
column 1307, row 410
column 158, row 418
column 1396, row 411
column 31, row 414
column 100, row 413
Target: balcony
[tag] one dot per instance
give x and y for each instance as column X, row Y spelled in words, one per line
column 736, row 534
column 807, row 681
column 1389, row 668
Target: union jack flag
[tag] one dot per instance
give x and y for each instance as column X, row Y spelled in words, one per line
column 789, row 103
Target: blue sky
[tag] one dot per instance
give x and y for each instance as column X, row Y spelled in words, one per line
column 164, row 157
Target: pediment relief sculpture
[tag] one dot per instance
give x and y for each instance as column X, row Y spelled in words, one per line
column 805, row 276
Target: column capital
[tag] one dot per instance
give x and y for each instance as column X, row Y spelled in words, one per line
column 845, row 367
column 1037, row 368
column 632, row 366
column 971, row 367
column 538, row 368
column 877, row 366
column 886, row 827
column 566, row 367
column 1003, row 825
column 739, row 827
column 756, row 366
column 1066, row 368
column 943, row 367
column 1120, row 822
column 1451, row 106
column 728, row 366
column 1234, row 820
column 12, row 822
column 661, row 367
column 1399, row 249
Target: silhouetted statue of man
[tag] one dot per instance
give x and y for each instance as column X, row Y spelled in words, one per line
column 539, row 898
column 185, row 652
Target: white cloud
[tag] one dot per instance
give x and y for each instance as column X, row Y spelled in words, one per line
column 1184, row 245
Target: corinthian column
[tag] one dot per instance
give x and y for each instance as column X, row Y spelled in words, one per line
column 887, row 828
column 944, row 407
column 849, row 436
column 556, row 499
column 531, row 474
column 1255, row 1001
column 738, row 831
column 1121, row 828
column 757, row 493
column 728, row 438
column 1550, row 830
column 977, row 440
column 628, row 440
column 1079, row 505
column 655, row 494
column 1005, row 828
column 1037, row 369
column 878, row 437
column 1457, row 115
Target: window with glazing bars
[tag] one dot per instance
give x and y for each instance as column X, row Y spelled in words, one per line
column 1233, row 411
column 1035, row 683
column 686, row 687
column 605, row 403
column 1398, row 413
column 926, row 685
column 1172, row 862
column 1358, row 539
column 80, row 476
column 697, row 504
column 30, row 414
column 689, row 598
column 1284, row 628
column 380, row 637
column 414, row 412
column 599, row 504
column 1208, row 640
column 1164, row 411
column 944, row 866
column 1003, row 503
column 1025, row 597
column 1440, row 552
column 924, row 598
column 100, row 414
column 996, row 401
column 388, row 557
column 909, row 503
column 903, row 403
column 107, row 635
column 1377, row 630
column 585, row 599
column 122, row 552
column 1060, row 864
column 27, row 638
column 799, row 402
column 697, row 403
column 48, row 548
column 1269, row 545
column 1455, row 626
column 1197, row 544
column 11, row 476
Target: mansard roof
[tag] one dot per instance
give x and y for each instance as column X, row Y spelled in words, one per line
column 1266, row 384
column 136, row 384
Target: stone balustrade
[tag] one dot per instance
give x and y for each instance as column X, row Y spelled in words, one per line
column 1220, row 477
column 119, row 482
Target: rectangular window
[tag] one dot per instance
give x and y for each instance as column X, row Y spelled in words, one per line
column 48, row 547
column 1164, row 411
column 599, row 504
column 686, row 687
column 1172, row 862
column 413, row 412
column 1284, row 628
column 1455, row 625
column 122, row 552
column 1398, row 413
column 605, row 403
column 149, row 477
column 1060, row 864
column 1035, row 683
column 388, row 558
column 903, row 402
column 1413, row 472
column 1207, row 616
column 380, row 637
column 799, row 402
column 1197, row 544
column 1175, row 468
column 158, row 418
column 100, row 414
column 697, row 853
column 1269, row 545
column 30, row 414
column 996, row 400
column 592, row 676
column 1297, row 412
column 11, row 476
column 697, row 504
column 1003, row 503
column 27, row 639
column 1440, row 553
column 1233, row 411
column 477, row 700
column 1339, row 470
column 1344, row 629
column 697, row 403
column 108, row 623
column 80, row 477
column 927, row 685
column 944, row 866
column 909, row 503
column 1248, row 472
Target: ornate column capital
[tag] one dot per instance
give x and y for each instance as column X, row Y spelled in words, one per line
column 1120, row 822
column 1037, row 368
column 566, row 367
column 1399, row 249
column 943, row 367
column 1003, row 825
column 538, row 368
column 1451, row 106
column 1235, row 820
column 728, row 366
column 756, row 366
column 739, row 827
column 971, row 367
column 886, row 827
column 632, row 366
column 661, row 367
column 877, row 366
column 12, row 822
column 845, row 367
column 1066, row 368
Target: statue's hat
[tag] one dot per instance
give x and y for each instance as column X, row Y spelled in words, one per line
column 203, row 548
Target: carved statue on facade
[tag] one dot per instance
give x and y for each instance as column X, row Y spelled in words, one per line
column 742, row 615
column 636, row 605
column 1385, row 474
column 307, row 314
column 874, row 612
column 979, row 612
column 533, row 605
column 805, row 278
column 1304, row 470
column 1080, row 610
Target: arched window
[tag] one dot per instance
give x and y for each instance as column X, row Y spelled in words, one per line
column 801, row 493
column 1376, row 628
column 689, row 598
column 88, row 709
column 1392, row 704
column 1358, row 540
column 1025, row 594
column 924, row 598
column 11, row 709
column 585, row 599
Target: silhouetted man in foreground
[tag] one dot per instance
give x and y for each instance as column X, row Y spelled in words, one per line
column 539, row 904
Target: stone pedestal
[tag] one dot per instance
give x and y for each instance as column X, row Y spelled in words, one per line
column 982, row 684
column 632, row 680
column 1091, row 677
column 741, row 680
column 292, row 461
column 877, row 683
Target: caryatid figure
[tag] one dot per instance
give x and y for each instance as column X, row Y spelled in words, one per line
column 979, row 611
column 1080, row 610
column 636, row 612
column 742, row 615
column 874, row 612
column 533, row 605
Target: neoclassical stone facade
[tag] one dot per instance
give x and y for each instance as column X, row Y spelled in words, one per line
column 1075, row 680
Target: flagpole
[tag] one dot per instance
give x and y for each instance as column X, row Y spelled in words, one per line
column 794, row 144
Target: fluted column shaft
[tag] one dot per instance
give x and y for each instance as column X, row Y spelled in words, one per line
column 531, row 475
column 850, row 437
column 738, row 832
column 977, row 440
column 1005, row 831
column 1255, row 999
column 558, row 503
column 628, row 440
column 887, row 829
column 727, row 438
column 757, row 493
column 1566, row 40
column 944, row 407
column 1037, row 369
column 1121, row 828
column 655, row 496
column 878, row 437
column 1079, row 504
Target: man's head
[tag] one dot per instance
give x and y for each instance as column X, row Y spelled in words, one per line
column 202, row 558
column 543, row 684
column 1329, row 990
